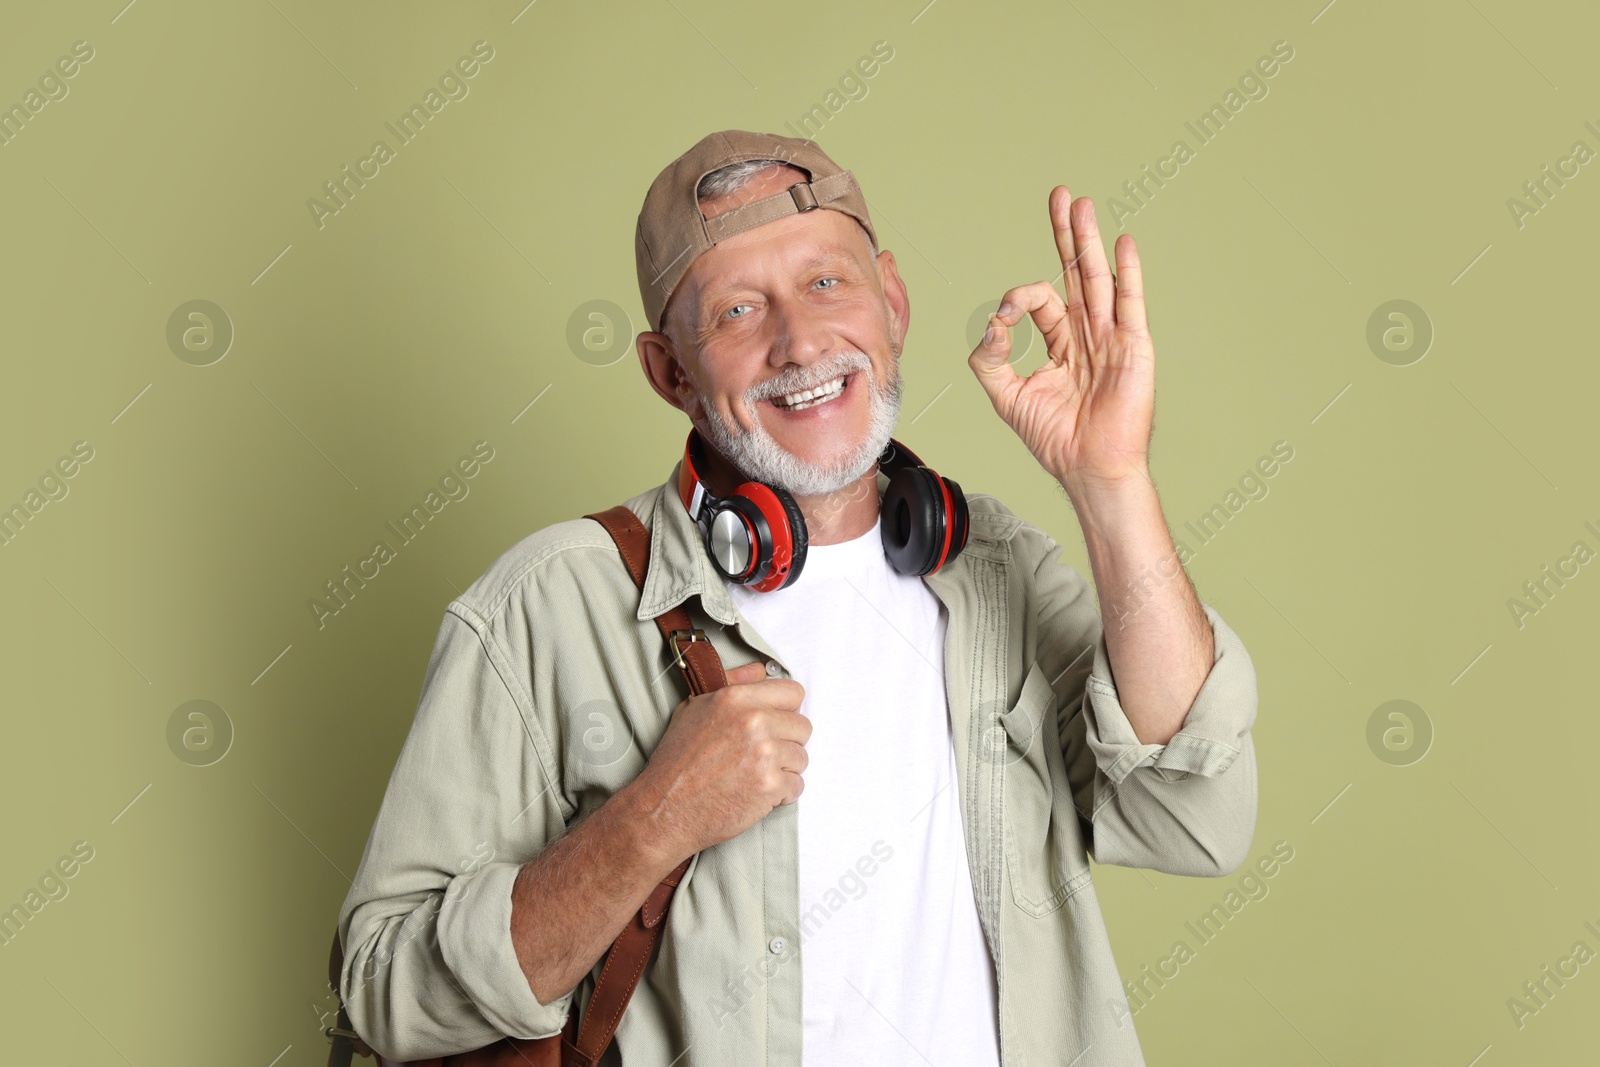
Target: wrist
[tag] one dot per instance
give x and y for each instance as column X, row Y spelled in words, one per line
column 644, row 829
column 1089, row 485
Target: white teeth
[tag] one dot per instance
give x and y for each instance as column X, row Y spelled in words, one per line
column 809, row 398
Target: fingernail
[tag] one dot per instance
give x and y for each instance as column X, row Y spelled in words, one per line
column 1005, row 311
column 988, row 336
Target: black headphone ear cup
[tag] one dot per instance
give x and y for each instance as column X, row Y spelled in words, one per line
column 797, row 534
column 912, row 520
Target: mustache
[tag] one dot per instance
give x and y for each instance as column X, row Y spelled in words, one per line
column 795, row 381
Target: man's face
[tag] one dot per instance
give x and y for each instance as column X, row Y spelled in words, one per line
column 792, row 305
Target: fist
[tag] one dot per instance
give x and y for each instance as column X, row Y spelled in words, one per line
column 727, row 758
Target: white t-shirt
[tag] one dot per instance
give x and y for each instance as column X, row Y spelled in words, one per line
column 895, row 968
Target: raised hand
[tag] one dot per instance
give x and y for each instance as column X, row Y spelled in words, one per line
column 1086, row 414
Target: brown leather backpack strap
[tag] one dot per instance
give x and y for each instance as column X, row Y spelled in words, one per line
column 700, row 662
column 628, row 956
column 701, row 665
column 625, row 964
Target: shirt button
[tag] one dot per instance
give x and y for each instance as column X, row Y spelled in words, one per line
column 777, row 945
column 772, row 672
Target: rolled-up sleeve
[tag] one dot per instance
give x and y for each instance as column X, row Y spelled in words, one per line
column 1187, row 807
column 429, row 966
column 1215, row 730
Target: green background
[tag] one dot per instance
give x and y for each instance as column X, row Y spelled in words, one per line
column 429, row 313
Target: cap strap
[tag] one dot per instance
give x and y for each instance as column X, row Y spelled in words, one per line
column 802, row 196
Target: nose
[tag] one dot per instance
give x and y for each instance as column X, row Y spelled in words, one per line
column 801, row 334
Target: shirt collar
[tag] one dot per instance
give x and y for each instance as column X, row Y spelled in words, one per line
column 679, row 567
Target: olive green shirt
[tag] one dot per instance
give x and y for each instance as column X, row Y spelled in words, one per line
column 548, row 687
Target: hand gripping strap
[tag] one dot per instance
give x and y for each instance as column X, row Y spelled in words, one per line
column 582, row 1046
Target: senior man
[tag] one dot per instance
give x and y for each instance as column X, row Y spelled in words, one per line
column 892, row 804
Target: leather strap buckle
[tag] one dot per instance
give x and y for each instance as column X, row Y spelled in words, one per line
column 689, row 636
column 804, row 198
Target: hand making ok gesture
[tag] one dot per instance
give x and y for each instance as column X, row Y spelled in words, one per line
column 1086, row 414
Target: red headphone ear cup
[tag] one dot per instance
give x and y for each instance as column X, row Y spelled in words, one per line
column 780, row 534
column 912, row 520
column 959, row 517
column 955, row 523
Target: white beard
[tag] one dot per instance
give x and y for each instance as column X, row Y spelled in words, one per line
column 758, row 457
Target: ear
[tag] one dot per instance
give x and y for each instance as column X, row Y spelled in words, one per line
column 665, row 372
column 895, row 295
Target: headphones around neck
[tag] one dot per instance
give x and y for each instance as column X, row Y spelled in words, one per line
column 757, row 536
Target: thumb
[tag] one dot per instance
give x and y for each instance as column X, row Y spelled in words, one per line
column 754, row 671
column 989, row 361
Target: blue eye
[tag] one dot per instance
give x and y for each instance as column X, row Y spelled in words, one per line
column 833, row 280
column 736, row 307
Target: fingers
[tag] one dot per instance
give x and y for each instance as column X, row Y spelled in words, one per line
column 792, row 762
column 1098, row 287
column 783, row 694
column 1066, row 242
column 1130, row 287
column 797, row 786
column 791, row 726
column 990, row 361
column 793, row 757
column 1041, row 301
column 1038, row 299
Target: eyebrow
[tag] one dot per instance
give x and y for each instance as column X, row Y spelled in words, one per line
column 826, row 254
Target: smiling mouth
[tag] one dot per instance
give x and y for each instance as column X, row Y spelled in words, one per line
column 810, row 398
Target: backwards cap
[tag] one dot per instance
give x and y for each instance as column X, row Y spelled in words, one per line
column 672, row 231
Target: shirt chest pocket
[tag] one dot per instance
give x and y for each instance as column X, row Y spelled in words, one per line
column 1045, row 857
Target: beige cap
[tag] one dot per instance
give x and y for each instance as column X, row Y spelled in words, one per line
column 672, row 231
